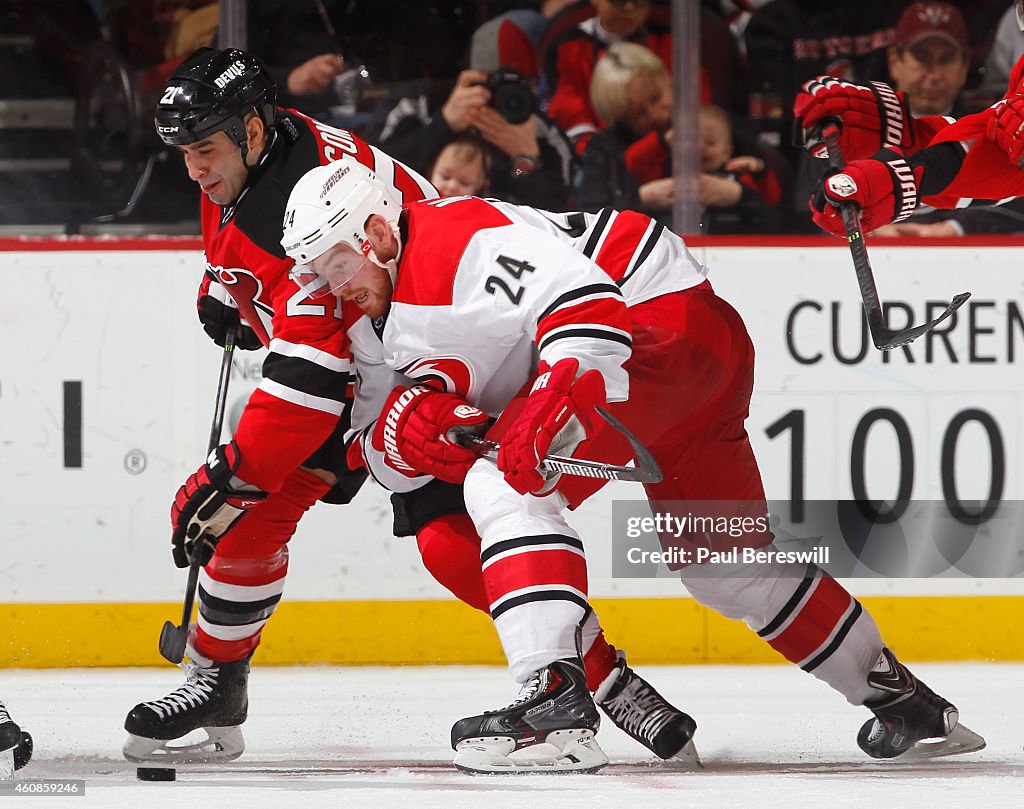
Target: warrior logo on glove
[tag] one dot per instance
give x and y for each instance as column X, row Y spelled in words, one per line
column 416, row 433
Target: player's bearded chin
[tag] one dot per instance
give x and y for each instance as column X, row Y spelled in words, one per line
column 391, row 266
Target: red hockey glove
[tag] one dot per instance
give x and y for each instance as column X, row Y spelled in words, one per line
column 559, row 414
column 884, row 188
column 208, row 505
column 414, row 432
column 1006, row 128
column 217, row 311
column 871, row 118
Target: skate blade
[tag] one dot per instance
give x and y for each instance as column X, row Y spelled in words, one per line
column 689, row 757
column 565, row 752
column 221, row 744
column 960, row 740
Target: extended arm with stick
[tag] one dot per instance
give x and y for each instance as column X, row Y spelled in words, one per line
column 883, row 337
column 173, row 639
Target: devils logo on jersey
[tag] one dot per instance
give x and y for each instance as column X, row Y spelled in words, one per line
column 246, row 290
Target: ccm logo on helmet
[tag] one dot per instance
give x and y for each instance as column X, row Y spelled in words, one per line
column 234, row 71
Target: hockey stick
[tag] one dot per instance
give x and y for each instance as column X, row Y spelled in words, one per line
column 173, row 639
column 645, row 471
column 883, row 337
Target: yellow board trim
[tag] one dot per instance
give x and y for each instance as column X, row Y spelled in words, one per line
column 670, row 630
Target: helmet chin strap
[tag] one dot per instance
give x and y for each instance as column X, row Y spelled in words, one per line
column 390, row 266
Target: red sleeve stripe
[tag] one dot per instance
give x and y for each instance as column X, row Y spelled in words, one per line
column 601, row 309
column 579, row 295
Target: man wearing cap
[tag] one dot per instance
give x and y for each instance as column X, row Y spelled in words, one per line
column 929, row 62
column 929, row 58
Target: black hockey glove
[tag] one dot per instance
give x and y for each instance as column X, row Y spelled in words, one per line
column 217, row 312
column 208, row 505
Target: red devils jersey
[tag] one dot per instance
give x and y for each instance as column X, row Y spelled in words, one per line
column 308, row 370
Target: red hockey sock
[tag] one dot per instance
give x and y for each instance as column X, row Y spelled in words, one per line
column 450, row 549
column 242, row 584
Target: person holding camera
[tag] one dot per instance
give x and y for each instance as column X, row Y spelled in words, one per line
column 530, row 161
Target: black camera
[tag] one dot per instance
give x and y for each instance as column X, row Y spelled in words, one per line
column 511, row 94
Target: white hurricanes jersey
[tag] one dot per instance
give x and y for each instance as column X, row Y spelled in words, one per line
column 486, row 289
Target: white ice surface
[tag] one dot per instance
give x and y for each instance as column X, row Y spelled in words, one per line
column 770, row 736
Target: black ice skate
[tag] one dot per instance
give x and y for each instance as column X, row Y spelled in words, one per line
column 213, row 698
column 13, row 740
column 632, row 703
column 908, row 714
column 554, row 716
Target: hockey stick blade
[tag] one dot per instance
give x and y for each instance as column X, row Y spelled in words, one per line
column 645, row 471
column 884, row 338
column 174, row 639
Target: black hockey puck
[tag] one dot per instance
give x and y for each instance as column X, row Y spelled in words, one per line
column 155, row 773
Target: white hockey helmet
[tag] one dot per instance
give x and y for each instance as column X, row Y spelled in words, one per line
column 328, row 206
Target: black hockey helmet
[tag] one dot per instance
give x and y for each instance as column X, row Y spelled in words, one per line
column 213, row 91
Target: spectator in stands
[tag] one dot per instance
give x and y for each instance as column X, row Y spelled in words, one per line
column 1007, row 47
column 791, row 41
column 631, row 93
column 628, row 165
column 570, row 58
column 291, row 38
column 929, row 61
column 462, row 168
column 532, row 161
column 929, row 57
column 733, row 190
column 300, row 50
column 517, row 34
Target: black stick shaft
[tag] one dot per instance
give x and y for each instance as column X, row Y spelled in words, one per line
column 855, row 238
column 215, row 430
